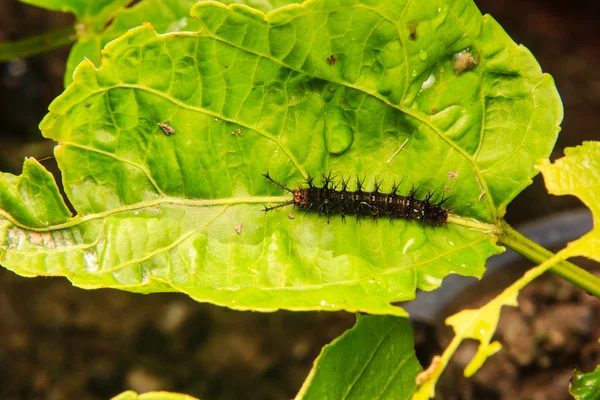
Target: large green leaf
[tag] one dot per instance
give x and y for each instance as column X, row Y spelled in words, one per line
column 374, row 360
column 253, row 92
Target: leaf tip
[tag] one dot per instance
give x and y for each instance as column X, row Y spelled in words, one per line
column 81, row 73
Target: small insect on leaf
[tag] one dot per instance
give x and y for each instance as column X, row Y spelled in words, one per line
column 464, row 61
column 331, row 59
column 238, row 229
column 168, row 129
column 412, row 27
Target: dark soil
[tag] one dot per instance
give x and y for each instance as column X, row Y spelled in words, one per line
column 60, row 342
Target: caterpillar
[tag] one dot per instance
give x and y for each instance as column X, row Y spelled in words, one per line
column 327, row 200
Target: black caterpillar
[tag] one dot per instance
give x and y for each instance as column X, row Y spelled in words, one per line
column 328, row 200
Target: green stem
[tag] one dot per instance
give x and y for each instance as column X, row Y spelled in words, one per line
column 536, row 253
column 38, row 44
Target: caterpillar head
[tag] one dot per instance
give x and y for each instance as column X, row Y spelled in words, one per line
column 300, row 197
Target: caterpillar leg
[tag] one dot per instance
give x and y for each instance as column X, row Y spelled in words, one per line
column 287, row 203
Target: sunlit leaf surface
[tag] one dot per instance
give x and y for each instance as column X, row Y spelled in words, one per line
column 431, row 94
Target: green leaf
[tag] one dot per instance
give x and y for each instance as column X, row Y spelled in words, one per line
column 578, row 174
column 585, row 386
column 93, row 14
column 373, row 360
column 261, row 5
column 253, row 92
column 484, row 123
column 99, row 22
column 164, row 15
column 131, row 395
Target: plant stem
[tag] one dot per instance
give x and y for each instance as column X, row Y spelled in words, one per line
column 38, row 44
column 536, row 253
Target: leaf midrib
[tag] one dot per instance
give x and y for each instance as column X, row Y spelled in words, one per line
column 366, row 362
column 149, row 204
column 227, row 203
column 321, row 285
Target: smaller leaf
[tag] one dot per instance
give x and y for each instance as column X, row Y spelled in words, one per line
column 373, row 360
column 483, row 330
column 32, row 198
column 131, row 395
column 578, row 173
column 585, row 386
column 479, row 324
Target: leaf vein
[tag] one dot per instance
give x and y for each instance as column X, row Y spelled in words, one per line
column 174, row 244
column 149, row 204
column 111, row 155
column 398, row 107
column 216, row 115
column 391, row 378
column 367, row 362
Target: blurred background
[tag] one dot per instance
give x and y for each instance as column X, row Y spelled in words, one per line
column 60, row 342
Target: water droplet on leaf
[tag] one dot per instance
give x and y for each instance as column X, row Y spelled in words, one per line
column 339, row 133
column 428, row 83
column 413, row 238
